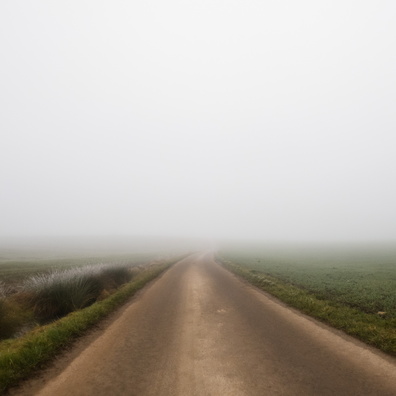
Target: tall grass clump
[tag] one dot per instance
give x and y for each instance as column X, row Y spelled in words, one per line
column 54, row 295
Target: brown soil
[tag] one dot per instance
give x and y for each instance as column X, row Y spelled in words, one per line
column 199, row 330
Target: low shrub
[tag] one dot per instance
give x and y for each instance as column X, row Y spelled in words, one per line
column 113, row 276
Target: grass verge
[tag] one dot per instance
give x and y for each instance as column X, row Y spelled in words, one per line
column 20, row 357
column 369, row 328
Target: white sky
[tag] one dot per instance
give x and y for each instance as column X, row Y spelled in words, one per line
column 264, row 119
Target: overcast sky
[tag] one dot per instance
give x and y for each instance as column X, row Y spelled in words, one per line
column 267, row 119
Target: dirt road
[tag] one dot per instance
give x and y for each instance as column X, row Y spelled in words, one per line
column 198, row 330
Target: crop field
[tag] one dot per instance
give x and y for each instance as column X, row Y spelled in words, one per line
column 362, row 278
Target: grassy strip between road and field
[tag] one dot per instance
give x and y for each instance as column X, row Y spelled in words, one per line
column 369, row 328
column 20, row 357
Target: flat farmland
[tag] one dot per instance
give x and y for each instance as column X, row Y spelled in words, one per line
column 350, row 288
column 364, row 279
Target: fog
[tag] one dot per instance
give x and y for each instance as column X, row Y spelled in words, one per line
column 264, row 120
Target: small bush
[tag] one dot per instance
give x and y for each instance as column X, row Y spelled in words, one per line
column 113, row 276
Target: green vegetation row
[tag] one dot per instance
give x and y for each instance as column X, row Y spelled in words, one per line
column 374, row 329
column 20, row 357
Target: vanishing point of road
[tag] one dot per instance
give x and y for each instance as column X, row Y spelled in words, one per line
column 198, row 330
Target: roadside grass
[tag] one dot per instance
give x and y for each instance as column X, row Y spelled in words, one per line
column 374, row 329
column 22, row 356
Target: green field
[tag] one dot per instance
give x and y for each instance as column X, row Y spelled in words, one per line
column 358, row 277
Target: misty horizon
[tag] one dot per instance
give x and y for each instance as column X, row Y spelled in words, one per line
column 249, row 121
